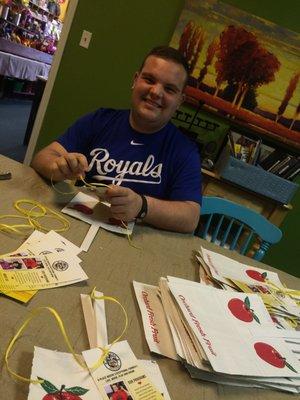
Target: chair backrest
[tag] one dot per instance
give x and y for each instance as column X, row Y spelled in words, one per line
column 236, row 226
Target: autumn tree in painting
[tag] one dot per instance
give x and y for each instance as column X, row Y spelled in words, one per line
column 262, row 70
column 211, row 51
column 191, row 43
column 288, row 95
column 243, row 62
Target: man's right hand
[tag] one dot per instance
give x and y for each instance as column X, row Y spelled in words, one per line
column 55, row 162
column 69, row 166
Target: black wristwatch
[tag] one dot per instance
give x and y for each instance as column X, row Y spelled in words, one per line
column 144, row 209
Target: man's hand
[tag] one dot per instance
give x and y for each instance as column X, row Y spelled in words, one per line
column 69, row 166
column 125, row 203
column 54, row 162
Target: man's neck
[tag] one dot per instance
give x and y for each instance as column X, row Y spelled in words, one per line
column 141, row 126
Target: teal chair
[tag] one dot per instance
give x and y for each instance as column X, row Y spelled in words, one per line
column 236, row 227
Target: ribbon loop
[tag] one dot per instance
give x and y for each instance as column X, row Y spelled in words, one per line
column 37, row 311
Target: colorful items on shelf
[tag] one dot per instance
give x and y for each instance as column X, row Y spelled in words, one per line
column 31, row 23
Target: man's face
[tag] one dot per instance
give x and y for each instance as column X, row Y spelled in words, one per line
column 157, row 93
column 114, row 388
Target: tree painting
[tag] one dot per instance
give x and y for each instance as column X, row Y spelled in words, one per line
column 191, row 43
column 241, row 65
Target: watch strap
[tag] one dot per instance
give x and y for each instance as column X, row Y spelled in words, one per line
column 144, row 209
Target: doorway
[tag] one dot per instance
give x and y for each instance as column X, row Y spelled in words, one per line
column 24, row 70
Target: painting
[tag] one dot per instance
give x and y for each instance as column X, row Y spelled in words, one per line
column 241, row 66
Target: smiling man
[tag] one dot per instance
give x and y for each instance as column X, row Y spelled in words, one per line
column 152, row 169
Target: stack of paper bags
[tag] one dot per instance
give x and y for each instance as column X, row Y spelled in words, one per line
column 282, row 303
column 220, row 336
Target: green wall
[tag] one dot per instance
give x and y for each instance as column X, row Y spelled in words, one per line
column 123, row 31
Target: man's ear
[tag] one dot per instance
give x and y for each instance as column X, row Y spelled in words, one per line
column 134, row 79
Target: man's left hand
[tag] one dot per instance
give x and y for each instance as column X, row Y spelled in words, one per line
column 125, row 203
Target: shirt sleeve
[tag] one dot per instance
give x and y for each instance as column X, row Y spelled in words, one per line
column 187, row 180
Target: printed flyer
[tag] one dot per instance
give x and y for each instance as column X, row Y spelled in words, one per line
column 32, row 273
column 121, row 375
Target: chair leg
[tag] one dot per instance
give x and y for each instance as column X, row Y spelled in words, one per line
column 260, row 253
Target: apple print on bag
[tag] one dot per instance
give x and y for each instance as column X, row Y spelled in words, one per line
column 256, row 275
column 270, row 355
column 242, row 310
column 63, row 393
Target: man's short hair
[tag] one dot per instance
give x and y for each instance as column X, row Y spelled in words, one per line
column 168, row 53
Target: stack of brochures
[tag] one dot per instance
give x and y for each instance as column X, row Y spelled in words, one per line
column 43, row 261
column 220, row 334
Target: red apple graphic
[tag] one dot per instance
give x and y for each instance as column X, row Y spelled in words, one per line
column 82, row 208
column 61, row 396
column 261, row 277
column 241, row 309
column 63, row 393
column 51, row 397
column 270, row 355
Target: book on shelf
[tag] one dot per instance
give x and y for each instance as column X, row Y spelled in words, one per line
column 251, row 151
column 284, row 169
column 293, row 169
column 273, row 159
column 282, row 164
column 278, row 166
column 243, row 147
column 255, row 153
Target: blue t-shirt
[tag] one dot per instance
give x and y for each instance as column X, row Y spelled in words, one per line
column 164, row 164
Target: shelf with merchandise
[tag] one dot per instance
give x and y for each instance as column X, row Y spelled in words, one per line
column 2, row 20
column 30, row 24
column 35, row 4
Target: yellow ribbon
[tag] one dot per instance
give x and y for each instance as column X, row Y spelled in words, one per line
column 94, row 184
column 34, row 313
column 105, row 351
column 32, row 216
column 276, row 291
column 89, row 185
column 61, row 326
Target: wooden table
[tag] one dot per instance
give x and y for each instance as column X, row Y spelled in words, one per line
column 111, row 264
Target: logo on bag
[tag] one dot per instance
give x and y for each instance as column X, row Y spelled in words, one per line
column 112, row 362
column 60, row 265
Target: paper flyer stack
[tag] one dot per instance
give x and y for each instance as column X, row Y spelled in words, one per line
column 223, row 336
column 43, row 261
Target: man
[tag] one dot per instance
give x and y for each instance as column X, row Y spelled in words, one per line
column 154, row 169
